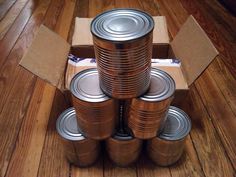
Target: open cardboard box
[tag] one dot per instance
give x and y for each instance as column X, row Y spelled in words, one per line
column 47, row 56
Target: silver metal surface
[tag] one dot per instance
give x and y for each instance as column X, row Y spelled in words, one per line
column 123, row 48
column 122, row 25
column 177, row 126
column 162, row 86
column 85, row 86
column 67, row 126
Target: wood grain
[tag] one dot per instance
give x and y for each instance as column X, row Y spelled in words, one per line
column 5, row 6
column 223, row 118
column 10, row 17
column 94, row 171
column 16, row 90
column 145, row 168
column 32, row 133
column 206, row 139
column 112, row 170
column 188, row 165
column 10, row 38
column 53, row 162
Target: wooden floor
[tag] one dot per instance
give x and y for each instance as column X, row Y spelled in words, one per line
column 29, row 145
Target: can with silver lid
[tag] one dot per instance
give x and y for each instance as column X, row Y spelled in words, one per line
column 97, row 113
column 167, row 147
column 123, row 48
column 79, row 150
column 123, row 149
column 147, row 114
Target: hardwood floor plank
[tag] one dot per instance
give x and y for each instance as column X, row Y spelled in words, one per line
column 16, row 89
column 5, row 6
column 94, row 171
column 221, row 114
column 10, row 69
column 9, row 40
column 189, row 164
column 32, row 133
column 205, row 138
column 145, row 168
column 82, row 8
column 12, row 116
column 112, row 170
column 53, row 162
column 10, row 17
column 135, row 4
column 53, row 13
column 150, row 6
column 121, row 3
column 225, row 81
column 96, row 7
column 223, row 20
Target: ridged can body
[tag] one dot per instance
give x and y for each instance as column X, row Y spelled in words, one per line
column 123, row 149
column 147, row 114
column 79, row 150
column 123, row 48
column 96, row 113
column 168, row 146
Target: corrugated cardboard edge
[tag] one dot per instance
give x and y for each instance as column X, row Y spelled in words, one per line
column 47, row 57
column 82, row 26
column 195, row 50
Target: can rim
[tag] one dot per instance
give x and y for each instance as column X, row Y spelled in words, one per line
column 103, row 97
column 122, row 9
column 169, row 93
column 68, row 113
column 182, row 116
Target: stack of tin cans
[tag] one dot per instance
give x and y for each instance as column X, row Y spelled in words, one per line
column 124, row 101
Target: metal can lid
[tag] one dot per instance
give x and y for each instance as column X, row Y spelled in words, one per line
column 177, row 125
column 162, row 86
column 85, row 86
column 121, row 25
column 67, row 126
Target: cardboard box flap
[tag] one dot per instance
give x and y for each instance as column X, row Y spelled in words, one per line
column 47, row 56
column 160, row 31
column 82, row 34
column 195, row 50
column 82, row 26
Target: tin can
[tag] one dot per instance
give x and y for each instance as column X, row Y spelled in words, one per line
column 167, row 147
column 123, row 48
column 96, row 113
column 123, row 149
column 79, row 150
column 147, row 114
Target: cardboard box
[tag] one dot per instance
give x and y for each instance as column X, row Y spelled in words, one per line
column 47, row 56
